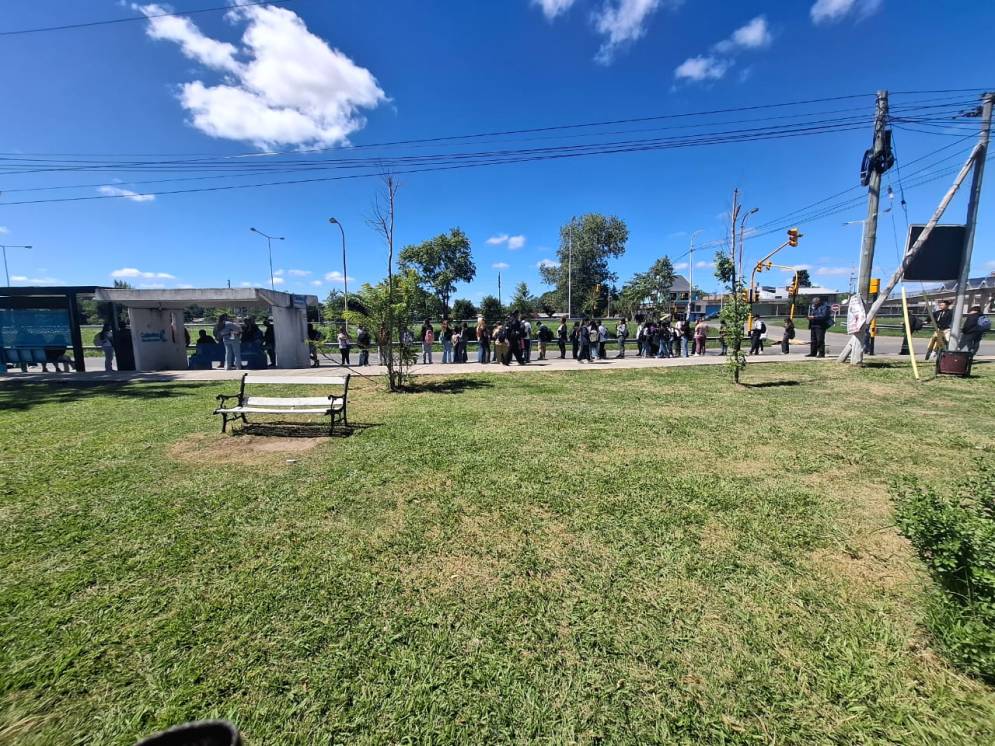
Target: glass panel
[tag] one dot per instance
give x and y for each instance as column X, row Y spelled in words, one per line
column 31, row 327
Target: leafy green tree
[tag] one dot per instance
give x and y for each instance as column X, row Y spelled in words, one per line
column 650, row 288
column 522, row 301
column 804, row 280
column 591, row 241
column 547, row 302
column 385, row 306
column 733, row 315
column 491, row 309
column 463, row 309
column 441, row 262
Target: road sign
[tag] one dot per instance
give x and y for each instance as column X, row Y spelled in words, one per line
column 836, row 308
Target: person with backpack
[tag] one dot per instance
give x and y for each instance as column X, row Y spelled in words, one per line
column 584, row 341
column 363, row 341
column 526, row 327
column 602, row 353
column 499, row 340
column 915, row 324
column 757, row 332
column 621, row 334
column 943, row 318
column 975, row 326
column 446, row 335
column 427, row 340
column 545, row 337
column 575, row 340
column 820, row 318
column 661, row 338
column 562, row 332
column 787, row 336
column 515, row 334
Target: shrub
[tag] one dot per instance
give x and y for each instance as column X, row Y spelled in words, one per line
column 954, row 535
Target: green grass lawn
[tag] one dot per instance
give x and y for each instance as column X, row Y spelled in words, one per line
column 633, row 556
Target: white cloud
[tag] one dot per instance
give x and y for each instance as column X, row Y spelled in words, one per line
column 298, row 272
column 185, row 286
column 830, row 11
column 278, row 280
column 701, row 68
column 621, row 22
column 338, row 278
column 4, row 230
column 990, row 264
column 514, row 243
column 246, row 284
column 704, row 265
column 315, row 283
column 282, row 86
column 553, row 8
column 112, row 191
column 833, row 271
column 152, row 285
column 131, row 273
column 547, row 263
column 751, row 36
column 36, row 280
column 500, row 265
column 681, row 265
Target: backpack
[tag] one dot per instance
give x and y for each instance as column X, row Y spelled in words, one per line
column 429, row 336
column 594, row 336
column 791, row 333
column 984, row 324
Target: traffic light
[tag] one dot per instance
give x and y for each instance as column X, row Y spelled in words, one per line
column 793, row 236
column 747, row 294
column 875, row 286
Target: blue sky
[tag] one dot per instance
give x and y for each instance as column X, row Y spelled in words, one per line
column 311, row 74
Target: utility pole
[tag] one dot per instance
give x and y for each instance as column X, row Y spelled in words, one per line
column 687, row 316
column 972, row 216
column 570, row 268
column 499, row 288
column 856, row 344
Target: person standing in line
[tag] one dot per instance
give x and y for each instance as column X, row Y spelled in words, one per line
column 621, row 334
column 313, row 338
column 700, row 337
column 602, row 340
column 105, row 341
column 723, row 341
column 757, row 331
column 973, row 329
column 820, row 318
column 269, row 341
column 584, row 342
column 345, row 344
column 527, row 339
column 427, row 340
column 219, row 326
column 515, row 334
column 640, row 337
column 231, row 338
column 545, row 336
column 661, row 335
column 943, row 318
column 688, row 336
column 575, row 340
column 562, row 332
column 464, row 339
column 446, row 336
column 363, row 343
column 483, row 340
column 499, row 338
column 788, row 335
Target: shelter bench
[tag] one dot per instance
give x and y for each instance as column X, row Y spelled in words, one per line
column 332, row 405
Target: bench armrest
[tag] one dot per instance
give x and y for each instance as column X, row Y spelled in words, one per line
column 222, row 398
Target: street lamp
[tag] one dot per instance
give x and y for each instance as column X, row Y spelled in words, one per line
column 691, row 272
column 5, row 247
column 269, row 246
column 742, row 236
column 345, row 274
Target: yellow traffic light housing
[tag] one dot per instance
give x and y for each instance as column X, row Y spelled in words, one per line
column 793, row 236
column 875, row 286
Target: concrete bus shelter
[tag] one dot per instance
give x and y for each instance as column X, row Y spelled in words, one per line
column 37, row 320
column 156, row 321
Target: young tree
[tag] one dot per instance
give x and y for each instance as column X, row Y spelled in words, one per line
column 591, row 241
column 441, row 262
column 388, row 312
column 734, row 313
column 804, row 280
column 491, row 309
column 463, row 309
column 522, row 301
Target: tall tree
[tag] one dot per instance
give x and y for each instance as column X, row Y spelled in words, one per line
column 591, row 241
column 441, row 262
column 804, row 280
column 491, row 309
column 522, row 301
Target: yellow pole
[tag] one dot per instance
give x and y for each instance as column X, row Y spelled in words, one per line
column 908, row 334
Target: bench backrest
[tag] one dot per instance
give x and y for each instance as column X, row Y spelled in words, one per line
column 250, row 379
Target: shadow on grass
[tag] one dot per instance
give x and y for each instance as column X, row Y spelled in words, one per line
column 448, row 386
column 770, row 384
column 21, row 396
column 300, row 429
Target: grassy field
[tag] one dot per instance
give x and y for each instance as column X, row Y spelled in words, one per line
column 631, row 556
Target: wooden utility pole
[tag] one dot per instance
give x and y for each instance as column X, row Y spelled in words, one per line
column 856, row 343
column 972, row 216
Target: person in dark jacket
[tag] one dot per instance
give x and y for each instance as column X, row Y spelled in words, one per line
column 269, row 341
column 575, row 340
column 971, row 331
column 788, row 335
column 943, row 318
column 545, row 336
column 514, row 332
column 562, row 332
column 363, row 343
column 757, row 332
column 820, row 318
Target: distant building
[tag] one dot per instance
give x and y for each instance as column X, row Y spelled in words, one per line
column 980, row 292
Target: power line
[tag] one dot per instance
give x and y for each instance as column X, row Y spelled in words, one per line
column 130, row 19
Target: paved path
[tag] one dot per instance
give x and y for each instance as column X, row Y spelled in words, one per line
column 772, row 356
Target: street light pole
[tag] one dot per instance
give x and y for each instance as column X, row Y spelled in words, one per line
column 570, row 268
column 691, row 272
column 5, row 247
column 269, row 247
column 345, row 274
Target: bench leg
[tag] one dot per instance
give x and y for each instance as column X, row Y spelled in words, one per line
column 224, row 422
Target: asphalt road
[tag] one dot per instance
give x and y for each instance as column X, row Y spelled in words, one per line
column 883, row 345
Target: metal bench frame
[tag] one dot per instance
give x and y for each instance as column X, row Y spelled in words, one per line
column 333, row 406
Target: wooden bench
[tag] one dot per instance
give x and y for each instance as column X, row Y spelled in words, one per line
column 332, row 405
